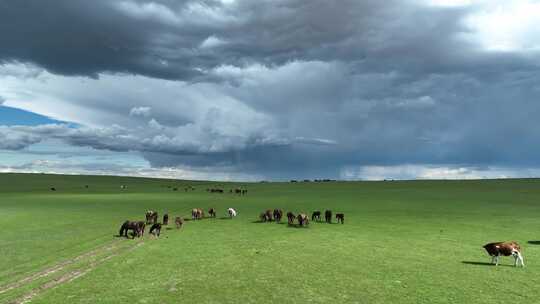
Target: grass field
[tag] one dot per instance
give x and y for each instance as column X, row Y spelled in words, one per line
column 402, row 242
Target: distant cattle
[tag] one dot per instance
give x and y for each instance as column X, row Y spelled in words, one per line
column 155, row 229
column 137, row 228
column 290, row 218
column 179, row 221
column 316, row 215
column 495, row 250
column 53, row 189
column 328, row 216
column 302, row 219
column 165, row 219
column 278, row 214
column 123, row 187
column 212, row 212
column 151, row 217
column 215, row 190
column 232, row 212
column 197, row 214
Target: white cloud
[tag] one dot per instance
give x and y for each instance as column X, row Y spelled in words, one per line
column 141, row 111
column 406, row 172
column 212, row 42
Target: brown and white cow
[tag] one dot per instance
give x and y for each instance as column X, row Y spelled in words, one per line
column 512, row 248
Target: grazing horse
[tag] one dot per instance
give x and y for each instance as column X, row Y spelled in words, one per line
column 269, row 216
column 155, row 229
column 232, row 212
column 303, row 219
column 179, row 221
column 316, row 215
column 165, row 219
column 136, row 227
column 290, row 218
column 151, row 217
column 278, row 214
column 212, row 212
column 263, row 217
column 328, row 216
column 340, row 217
column 197, row 214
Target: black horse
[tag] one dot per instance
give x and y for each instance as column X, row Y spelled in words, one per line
column 328, row 216
column 155, row 229
column 166, row 219
column 278, row 214
column 316, row 215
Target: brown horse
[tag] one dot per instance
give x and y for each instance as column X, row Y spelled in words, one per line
column 151, row 217
column 290, row 218
column 137, row 228
column 179, row 221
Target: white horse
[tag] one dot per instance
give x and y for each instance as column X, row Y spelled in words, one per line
column 232, row 212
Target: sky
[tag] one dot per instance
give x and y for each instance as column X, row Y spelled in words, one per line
column 271, row 89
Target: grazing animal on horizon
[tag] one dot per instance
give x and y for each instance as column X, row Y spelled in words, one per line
column 328, row 216
column 278, row 214
column 316, row 215
column 155, row 229
column 212, row 212
column 165, row 219
column 53, row 189
column 290, row 218
column 512, row 248
column 232, row 212
column 340, row 217
column 303, row 219
column 197, row 214
column 179, row 221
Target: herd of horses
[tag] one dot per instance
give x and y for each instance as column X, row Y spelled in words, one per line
column 302, row 218
column 137, row 228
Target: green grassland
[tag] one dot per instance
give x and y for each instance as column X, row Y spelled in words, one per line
column 402, row 242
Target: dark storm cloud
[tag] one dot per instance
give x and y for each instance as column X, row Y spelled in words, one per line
column 186, row 39
column 289, row 87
